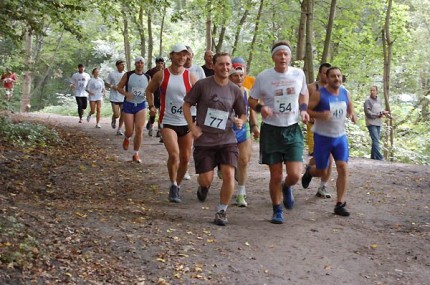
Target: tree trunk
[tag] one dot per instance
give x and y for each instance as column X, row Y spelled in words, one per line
column 218, row 47
column 254, row 37
column 209, row 25
column 238, row 30
column 150, row 39
column 387, row 45
column 162, row 30
column 309, row 58
column 301, row 37
column 127, row 49
column 28, row 76
column 329, row 29
column 140, row 27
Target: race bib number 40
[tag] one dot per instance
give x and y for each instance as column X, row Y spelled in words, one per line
column 138, row 92
column 216, row 119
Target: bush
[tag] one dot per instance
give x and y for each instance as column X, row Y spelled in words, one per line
column 27, row 134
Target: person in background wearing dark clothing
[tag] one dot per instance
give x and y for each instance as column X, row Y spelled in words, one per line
column 208, row 66
column 159, row 65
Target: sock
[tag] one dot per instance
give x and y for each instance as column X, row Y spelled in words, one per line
column 322, row 183
column 222, row 207
column 136, row 152
column 277, row 208
column 241, row 190
column 174, row 183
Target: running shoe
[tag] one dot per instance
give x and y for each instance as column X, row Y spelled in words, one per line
column 119, row 133
column 161, row 139
column 174, row 194
column 158, row 134
column 113, row 123
column 287, row 192
column 148, row 125
column 136, row 158
column 278, row 217
column 218, row 172
column 80, row 121
column 151, row 132
column 323, row 193
column 240, row 201
column 126, row 143
column 88, row 118
column 187, row 176
column 98, row 126
column 202, row 193
column 306, row 178
column 220, row 218
column 341, row 210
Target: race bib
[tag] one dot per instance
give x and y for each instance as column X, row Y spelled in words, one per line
column 138, row 92
column 175, row 107
column 81, row 84
column 286, row 104
column 216, row 119
column 338, row 110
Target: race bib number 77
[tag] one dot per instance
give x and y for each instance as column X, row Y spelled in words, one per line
column 216, row 119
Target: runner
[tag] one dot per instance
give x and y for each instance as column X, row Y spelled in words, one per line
column 9, row 79
column 244, row 143
column 198, row 73
column 174, row 82
column 330, row 106
column 116, row 99
column 159, row 65
column 322, row 191
column 208, row 66
column 133, row 85
column 249, row 80
column 78, row 84
column 215, row 142
column 96, row 90
column 283, row 96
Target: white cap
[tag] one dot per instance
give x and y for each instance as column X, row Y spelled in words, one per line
column 138, row 58
column 179, row 48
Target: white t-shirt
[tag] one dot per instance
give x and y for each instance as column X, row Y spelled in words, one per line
column 113, row 79
column 80, row 81
column 198, row 73
column 280, row 92
column 97, row 87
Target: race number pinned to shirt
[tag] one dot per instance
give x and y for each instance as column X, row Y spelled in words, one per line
column 175, row 107
column 286, row 101
column 138, row 91
column 216, row 119
column 338, row 110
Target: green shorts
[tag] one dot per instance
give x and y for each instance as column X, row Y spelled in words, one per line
column 280, row 144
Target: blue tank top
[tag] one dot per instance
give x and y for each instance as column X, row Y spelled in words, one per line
column 337, row 105
column 243, row 133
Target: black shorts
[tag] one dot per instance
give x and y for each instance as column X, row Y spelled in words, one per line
column 206, row 158
column 179, row 130
column 117, row 103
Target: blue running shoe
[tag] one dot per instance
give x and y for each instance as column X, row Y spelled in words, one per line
column 174, row 194
column 278, row 217
column 288, row 196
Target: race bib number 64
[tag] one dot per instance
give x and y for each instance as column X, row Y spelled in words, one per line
column 216, row 119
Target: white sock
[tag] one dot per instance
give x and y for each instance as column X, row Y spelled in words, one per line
column 174, row 183
column 322, row 183
column 222, row 207
column 136, row 152
column 241, row 190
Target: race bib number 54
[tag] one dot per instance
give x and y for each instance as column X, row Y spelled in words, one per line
column 285, row 104
column 216, row 119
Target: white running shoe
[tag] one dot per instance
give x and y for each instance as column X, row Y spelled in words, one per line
column 323, row 193
column 187, row 176
column 88, row 118
column 98, row 126
column 119, row 132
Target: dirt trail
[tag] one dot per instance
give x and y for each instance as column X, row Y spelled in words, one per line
column 104, row 220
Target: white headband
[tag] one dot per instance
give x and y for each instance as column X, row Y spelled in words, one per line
column 283, row 47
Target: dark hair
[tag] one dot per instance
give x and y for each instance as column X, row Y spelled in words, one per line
column 325, row 64
column 80, row 65
column 219, row 54
column 376, row 87
column 332, row 68
column 94, row 69
column 281, row 43
column 159, row 59
column 119, row 61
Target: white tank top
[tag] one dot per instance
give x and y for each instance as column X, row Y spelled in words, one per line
column 173, row 89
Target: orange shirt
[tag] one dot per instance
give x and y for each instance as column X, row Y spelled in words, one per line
column 248, row 82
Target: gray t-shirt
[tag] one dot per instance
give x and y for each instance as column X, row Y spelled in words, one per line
column 216, row 106
column 372, row 110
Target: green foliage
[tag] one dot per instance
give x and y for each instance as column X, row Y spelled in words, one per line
column 27, row 135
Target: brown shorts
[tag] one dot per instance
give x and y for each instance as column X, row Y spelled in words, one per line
column 206, row 158
column 179, row 130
